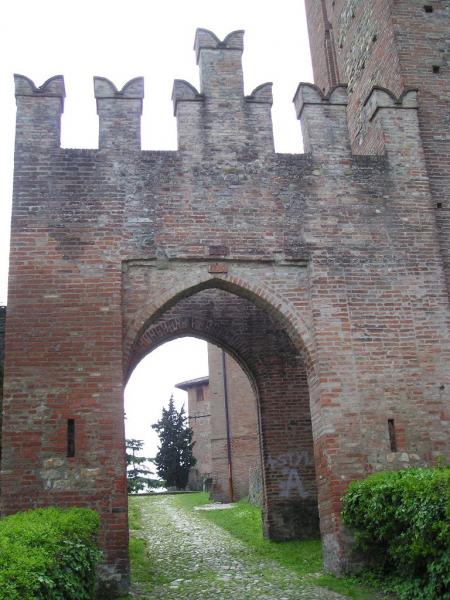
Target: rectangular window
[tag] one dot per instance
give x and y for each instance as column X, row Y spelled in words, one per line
column 200, row 395
column 70, row 438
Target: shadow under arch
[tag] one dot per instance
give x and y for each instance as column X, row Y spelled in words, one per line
column 280, row 309
column 201, row 334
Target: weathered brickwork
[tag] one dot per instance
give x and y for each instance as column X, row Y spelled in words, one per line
column 243, row 426
column 322, row 274
column 2, row 359
column 2, row 335
column 398, row 45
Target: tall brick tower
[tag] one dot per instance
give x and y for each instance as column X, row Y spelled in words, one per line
column 396, row 45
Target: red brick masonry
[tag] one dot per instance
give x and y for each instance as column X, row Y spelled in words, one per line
column 333, row 299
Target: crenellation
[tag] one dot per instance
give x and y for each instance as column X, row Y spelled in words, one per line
column 39, row 110
column 220, row 118
column 206, row 39
column 188, row 108
column 258, row 105
column 382, row 98
column 53, row 87
column 220, row 65
column 262, row 94
column 183, row 91
column 119, row 113
column 396, row 125
column 323, row 119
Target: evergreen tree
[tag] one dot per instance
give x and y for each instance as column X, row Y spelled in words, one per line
column 137, row 473
column 174, row 457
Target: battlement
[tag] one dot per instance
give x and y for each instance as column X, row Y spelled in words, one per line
column 218, row 118
column 206, row 39
column 39, row 111
column 380, row 97
column 220, row 64
column 52, row 88
column 323, row 119
column 119, row 113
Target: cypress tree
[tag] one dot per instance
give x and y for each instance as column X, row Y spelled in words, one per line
column 174, row 457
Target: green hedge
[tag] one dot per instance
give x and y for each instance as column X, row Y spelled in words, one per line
column 401, row 521
column 48, row 554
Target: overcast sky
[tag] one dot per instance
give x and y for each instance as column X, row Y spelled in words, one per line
column 121, row 40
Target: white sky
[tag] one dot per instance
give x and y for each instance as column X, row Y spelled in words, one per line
column 153, row 381
column 121, row 40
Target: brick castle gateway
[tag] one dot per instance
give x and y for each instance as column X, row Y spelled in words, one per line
column 325, row 275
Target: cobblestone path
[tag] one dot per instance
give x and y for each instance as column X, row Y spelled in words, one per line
column 197, row 560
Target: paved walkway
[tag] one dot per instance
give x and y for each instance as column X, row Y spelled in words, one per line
column 197, row 560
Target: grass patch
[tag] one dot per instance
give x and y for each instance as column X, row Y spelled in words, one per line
column 244, row 523
column 134, row 515
column 190, row 501
column 302, row 557
column 142, row 574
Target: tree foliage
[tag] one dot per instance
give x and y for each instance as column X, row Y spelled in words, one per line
column 137, row 473
column 174, row 457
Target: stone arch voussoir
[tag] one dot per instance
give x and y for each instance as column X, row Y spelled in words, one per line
column 260, row 293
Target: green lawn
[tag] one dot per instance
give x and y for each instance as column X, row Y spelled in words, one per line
column 141, row 568
column 244, row 522
column 303, row 557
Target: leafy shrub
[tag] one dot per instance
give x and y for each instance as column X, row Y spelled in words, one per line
column 401, row 521
column 48, row 554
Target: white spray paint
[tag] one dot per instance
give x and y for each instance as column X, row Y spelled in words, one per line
column 288, row 463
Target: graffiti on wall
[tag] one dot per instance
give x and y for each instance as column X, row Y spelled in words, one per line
column 288, row 463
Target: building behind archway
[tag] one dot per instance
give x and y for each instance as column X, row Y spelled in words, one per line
column 227, row 449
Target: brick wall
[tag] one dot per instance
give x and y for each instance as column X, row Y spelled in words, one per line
column 207, row 417
column 397, row 45
column 2, row 359
column 244, row 426
column 321, row 274
column 2, row 335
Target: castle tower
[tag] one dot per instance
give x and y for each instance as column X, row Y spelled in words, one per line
column 397, row 45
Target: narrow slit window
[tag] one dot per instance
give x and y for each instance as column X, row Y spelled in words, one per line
column 70, row 438
column 392, row 437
